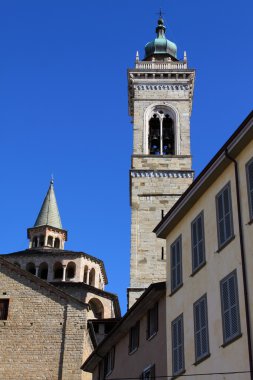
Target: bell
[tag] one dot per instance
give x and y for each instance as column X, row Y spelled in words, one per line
column 166, row 140
column 154, row 140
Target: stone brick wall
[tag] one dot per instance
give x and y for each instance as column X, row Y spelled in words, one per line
column 44, row 336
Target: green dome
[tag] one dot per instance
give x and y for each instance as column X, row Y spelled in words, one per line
column 160, row 45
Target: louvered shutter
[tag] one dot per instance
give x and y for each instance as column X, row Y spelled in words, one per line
column 176, row 264
column 230, row 307
column 198, row 244
column 177, row 346
column 201, row 328
column 250, row 187
column 224, row 215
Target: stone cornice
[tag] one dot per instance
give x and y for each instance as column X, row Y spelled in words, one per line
column 160, row 79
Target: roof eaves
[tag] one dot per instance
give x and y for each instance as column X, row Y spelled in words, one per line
column 219, row 161
column 108, row 341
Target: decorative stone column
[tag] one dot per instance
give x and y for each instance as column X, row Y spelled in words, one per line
column 64, row 273
column 88, row 276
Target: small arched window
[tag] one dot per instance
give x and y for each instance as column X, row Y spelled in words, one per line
column 57, row 243
column 35, row 242
column 85, row 274
column 92, row 277
column 42, row 241
column 30, row 267
column 161, row 138
column 97, row 308
column 43, row 271
column 50, row 241
column 71, row 270
column 58, row 271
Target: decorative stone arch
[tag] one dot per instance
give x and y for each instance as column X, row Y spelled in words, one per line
column 71, row 270
column 96, row 307
column 166, row 109
column 58, row 271
column 43, row 271
column 30, row 267
column 92, row 277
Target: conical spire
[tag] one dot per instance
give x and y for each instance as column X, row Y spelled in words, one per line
column 49, row 213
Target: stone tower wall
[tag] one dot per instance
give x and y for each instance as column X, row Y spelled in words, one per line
column 156, row 182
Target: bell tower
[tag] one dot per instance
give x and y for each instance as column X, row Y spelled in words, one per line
column 160, row 91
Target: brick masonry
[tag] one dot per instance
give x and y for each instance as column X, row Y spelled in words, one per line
column 45, row 335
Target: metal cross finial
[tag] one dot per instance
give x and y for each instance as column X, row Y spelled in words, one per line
column 161, row 13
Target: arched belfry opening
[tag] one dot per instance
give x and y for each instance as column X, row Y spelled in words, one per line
column 161, row 137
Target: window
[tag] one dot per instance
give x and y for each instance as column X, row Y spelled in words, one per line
column 109, row 361
column 176, row 263
column 97, row 308
column 30, row 267
column 41, row 241
column 71, row 270
column 58, row 271
column 134, row 337
column 43, row 271
column 152, row 326
column 230, row 307
column 161, row 134
column 50, row 241
column 198, row 242
column 148, row 373
column 224, row 215
column 4, row 307
column 177, row 345
column 249, row 169
column 201, row 328
column 57, row 243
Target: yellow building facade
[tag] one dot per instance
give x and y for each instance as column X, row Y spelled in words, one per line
column 209, row 239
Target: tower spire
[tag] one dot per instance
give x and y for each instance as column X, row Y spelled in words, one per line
column 49, row 213
column 47, row 230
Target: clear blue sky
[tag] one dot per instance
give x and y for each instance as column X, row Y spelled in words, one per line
column 63, row 108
